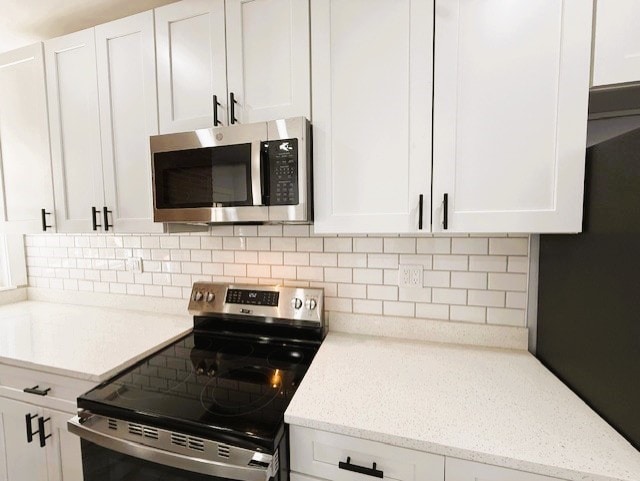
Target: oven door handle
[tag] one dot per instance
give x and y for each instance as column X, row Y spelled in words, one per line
column 166, row 458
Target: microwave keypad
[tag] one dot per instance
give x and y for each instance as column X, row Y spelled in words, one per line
column 283, row 167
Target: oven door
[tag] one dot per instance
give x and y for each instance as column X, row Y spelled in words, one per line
column 209, row 175
column 112, row 457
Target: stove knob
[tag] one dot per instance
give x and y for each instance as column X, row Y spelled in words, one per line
column 210, row 297
column 311, row 304
column 197, row 296
column 296, row 303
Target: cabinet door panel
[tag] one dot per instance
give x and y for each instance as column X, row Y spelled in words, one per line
column 510, row 102
column 23, row 460
column 64, row 457
column 26, row 186
column 191, row 55
column 128, row 110
column 75, row 129
column 616, row 54
column 371, row 78
column 268, row 58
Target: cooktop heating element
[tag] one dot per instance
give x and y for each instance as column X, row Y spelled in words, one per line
column 229, row 381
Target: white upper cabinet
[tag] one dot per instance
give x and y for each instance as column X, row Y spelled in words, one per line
column 268, row 58
column 371, row 83
column 616, row 54
column 25, row 156
column 128, row 116
column 190, row 38
column 510, row 112
column 75, row 129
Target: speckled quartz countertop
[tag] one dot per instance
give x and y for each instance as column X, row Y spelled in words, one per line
column 492, row 406
column 91, row 343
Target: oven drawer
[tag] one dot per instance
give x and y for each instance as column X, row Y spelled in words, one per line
column 62, row 391
column 344, row 458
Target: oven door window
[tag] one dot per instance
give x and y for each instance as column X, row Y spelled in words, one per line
column 203, row 177
column 101, row 464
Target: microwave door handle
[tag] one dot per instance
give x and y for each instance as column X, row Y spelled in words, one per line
column 264, row 173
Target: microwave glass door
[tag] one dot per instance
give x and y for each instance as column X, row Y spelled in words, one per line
column 204, row 177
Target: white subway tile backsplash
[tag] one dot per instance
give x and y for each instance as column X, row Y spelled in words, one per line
column 434, row 245
column 518, row 246
column 352, row 260
column 467, row 314
column 432, row 311
column 508, row 282
column 450, row 263
column 400, row 245
column 479, row 278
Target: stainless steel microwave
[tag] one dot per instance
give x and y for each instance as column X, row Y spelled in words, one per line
column 253, row 173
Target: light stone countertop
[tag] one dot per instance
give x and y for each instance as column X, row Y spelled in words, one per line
column 499, row 407
column 90, row 343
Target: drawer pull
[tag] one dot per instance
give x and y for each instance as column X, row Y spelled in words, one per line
column 376, row 473
column 36, row 391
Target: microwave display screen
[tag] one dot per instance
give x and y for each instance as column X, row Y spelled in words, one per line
column 204, row 177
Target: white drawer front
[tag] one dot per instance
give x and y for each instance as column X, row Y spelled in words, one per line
column 62, row 394
column 319, row 453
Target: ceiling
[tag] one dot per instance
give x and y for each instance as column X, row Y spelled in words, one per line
column 27, row 21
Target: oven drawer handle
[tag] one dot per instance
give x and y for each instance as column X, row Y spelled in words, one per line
column 166, row 458
column 376, row 473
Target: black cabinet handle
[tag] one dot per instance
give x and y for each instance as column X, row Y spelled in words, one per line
column 94, row 218
column 232, row 108
column 30, row 432
column 35, row 390
column 420, row 211
column 44, row 214
column 216, row 104
column 376, row 473
column 445, row 212
column 106, row 213
column 43, row 438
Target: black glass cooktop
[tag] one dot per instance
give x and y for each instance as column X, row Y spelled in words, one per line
column 221, row 387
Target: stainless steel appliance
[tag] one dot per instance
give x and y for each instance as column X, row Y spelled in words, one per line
column 253, row 173
column 211, row 406
column 588, row 320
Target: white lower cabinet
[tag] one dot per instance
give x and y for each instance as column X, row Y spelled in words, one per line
column 339, row 458
column 35, row 444
column 461, row 470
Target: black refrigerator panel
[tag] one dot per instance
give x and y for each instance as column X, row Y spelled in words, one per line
column 589, row 290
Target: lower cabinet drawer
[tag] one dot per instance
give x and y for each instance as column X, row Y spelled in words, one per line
column 343, row 458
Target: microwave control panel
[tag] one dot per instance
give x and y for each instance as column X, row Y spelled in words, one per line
column 283, row 171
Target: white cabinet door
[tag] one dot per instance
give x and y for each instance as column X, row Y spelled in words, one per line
column 616, row 54
column 460, row 470
column 268, row 58
column 75, row 129
column 126, row 61
column 371, row 82
column 25, row 156
column 20, row 459
column 64, row 457
column 190, row 42
column 510, row 113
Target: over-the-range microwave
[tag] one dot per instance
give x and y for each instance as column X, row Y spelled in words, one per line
column 252, row 173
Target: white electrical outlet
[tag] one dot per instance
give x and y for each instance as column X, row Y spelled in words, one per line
column 134, row 264
column 410, row 276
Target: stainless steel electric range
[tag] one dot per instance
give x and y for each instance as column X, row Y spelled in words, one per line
column 210, row 406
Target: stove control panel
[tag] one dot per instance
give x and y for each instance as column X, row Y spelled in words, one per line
column 293, row 305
